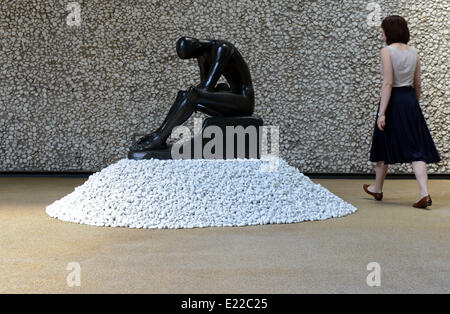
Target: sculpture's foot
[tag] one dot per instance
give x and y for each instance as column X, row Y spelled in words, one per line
column 151, row 154
column 151, row 141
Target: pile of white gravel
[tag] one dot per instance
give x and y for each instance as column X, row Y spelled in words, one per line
column 197, row 193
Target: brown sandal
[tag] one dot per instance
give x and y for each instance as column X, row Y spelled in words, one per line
column 377, row 196
column 424, row 202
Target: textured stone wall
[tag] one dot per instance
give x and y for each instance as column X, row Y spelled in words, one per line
column 72, row 98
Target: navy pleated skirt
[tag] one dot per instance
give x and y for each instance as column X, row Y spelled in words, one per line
column 406, row 137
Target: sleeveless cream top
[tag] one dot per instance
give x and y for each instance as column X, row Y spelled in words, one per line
column 404, row 63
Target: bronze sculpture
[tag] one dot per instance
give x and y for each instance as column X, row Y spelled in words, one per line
column 228, row 104
column 215, row 58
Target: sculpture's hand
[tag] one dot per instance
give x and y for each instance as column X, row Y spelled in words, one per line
column 203, row 87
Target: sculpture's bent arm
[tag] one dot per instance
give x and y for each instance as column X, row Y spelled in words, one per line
column 204, row 69
column 223, row 53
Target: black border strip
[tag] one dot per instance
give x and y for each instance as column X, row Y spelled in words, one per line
column 44, row 174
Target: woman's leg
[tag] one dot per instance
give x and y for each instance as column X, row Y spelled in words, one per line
column 420, row 170
column 380, row 170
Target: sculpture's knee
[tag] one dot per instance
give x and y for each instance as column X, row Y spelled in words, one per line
column 192, row 95
column 181, row 95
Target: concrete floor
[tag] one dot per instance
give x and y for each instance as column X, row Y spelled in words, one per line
column 412, row 247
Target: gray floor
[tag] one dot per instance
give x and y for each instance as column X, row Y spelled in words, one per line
column 411, row 246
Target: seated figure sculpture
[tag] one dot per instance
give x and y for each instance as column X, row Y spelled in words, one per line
column 215, row 58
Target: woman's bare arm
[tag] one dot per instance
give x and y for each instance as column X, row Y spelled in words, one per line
column 386, row 88
column 417, row 80
column 388, row 78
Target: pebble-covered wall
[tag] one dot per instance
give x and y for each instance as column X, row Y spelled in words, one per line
column 77, row 86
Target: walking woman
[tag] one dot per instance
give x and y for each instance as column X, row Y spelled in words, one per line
column 401, row 134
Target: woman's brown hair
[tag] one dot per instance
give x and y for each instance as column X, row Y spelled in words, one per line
column 396, row 29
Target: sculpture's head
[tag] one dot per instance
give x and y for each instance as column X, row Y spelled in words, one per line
column 188, row 47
